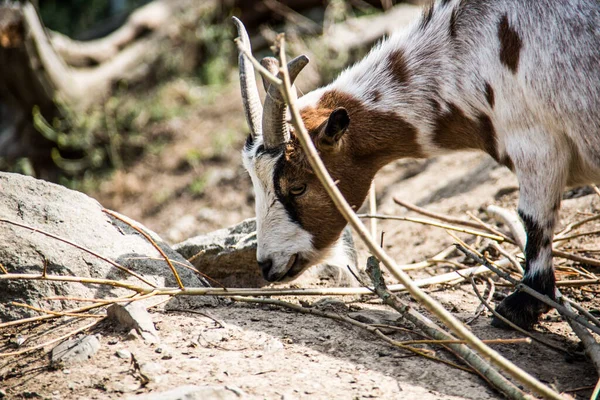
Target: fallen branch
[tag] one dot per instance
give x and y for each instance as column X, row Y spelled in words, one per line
column 152, row 242
column 111, row 262
column 433, row 223
column 524, row 288
column 427, row 326
column 343, row 318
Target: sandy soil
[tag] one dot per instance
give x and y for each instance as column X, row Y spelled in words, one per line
column 269, row 352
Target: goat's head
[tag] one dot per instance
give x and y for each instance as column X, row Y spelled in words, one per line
column 297, row 223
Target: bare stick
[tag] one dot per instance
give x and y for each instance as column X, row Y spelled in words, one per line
column 348, row 213
column 427, row 326
column 509, row 256
column 207, row 291
column 524, row 288
column 57, row 313
column 489, row 227
column 511, row 220
column 596, row 392
column 573, row 257
column 486, row 341
column 111, row 262
column 149, row 239
column 423, row 264
column 339, row 317
column 436, row 224
column 4, row 271
column 431, row 214
column 58, row 339
column 373, row 209
column 481, row 306
column 581, row 310
column 592, row 349
column 512, row 325
column 576, row 235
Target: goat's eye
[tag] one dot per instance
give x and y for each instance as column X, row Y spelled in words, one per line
column 298, row 190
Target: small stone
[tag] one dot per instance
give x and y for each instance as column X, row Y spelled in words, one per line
column 2, row 394
column 134, row 316
column 211, row 336
column 152, row 371
column 191, row 392
column 330, row 304
column 126, row 354
column 158, row 350
column 273, row 345
column 132, row 335
column 75, row 350
column 66, row 371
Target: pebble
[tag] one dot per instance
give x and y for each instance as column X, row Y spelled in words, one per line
column 126, row 354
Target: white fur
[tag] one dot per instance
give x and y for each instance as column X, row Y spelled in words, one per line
column 278, row 237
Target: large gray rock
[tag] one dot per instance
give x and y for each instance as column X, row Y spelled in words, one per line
column 229, row 256
column 80, row 219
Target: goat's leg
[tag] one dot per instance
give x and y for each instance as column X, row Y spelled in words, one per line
column 541, row 180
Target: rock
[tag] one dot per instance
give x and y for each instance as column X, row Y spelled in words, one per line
column 74, row 351
column 125, row 354
column 191, row 392
column 152, row 372
column 380, row 317
column 331, row 304
column 229, row 256
column 76, row 217
column 273, row 345
column 134, row 316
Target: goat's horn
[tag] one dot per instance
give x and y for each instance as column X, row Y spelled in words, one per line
column 252, row 107
column 275, row 129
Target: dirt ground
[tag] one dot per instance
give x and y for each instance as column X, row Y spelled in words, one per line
column 196, row 184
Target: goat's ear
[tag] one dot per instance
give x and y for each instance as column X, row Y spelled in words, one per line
column 336, row 126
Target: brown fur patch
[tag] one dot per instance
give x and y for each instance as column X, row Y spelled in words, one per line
column 372, row 140
column 398, row 67
column 510, row 44
column 507, row 162
column 455, row 131
column 489, row 94
column 375, row 96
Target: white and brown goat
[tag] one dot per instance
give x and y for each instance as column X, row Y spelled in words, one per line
column 517, row 79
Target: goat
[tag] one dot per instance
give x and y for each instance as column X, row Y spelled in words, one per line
column 516, row 79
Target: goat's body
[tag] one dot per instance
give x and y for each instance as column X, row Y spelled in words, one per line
column 518, row 79
column 554, row 87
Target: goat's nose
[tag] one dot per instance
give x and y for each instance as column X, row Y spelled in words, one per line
column 265, row 266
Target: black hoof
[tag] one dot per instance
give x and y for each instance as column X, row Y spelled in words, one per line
column 521, row 309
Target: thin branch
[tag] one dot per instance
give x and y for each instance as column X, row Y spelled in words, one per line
column 57, row 313
column 436, row 224
column 149, row 239
column 111, row 262
column 343, row 318
column 429, row 327
column 512, row 325
column 511, row 220
column 58, row 339
column 373, row 209
column 592, row 349
column 509, row 256
column 262, row 70
column 431, row 214
column 524, row 288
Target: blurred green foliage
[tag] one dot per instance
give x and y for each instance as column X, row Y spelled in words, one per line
column 75, row 17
